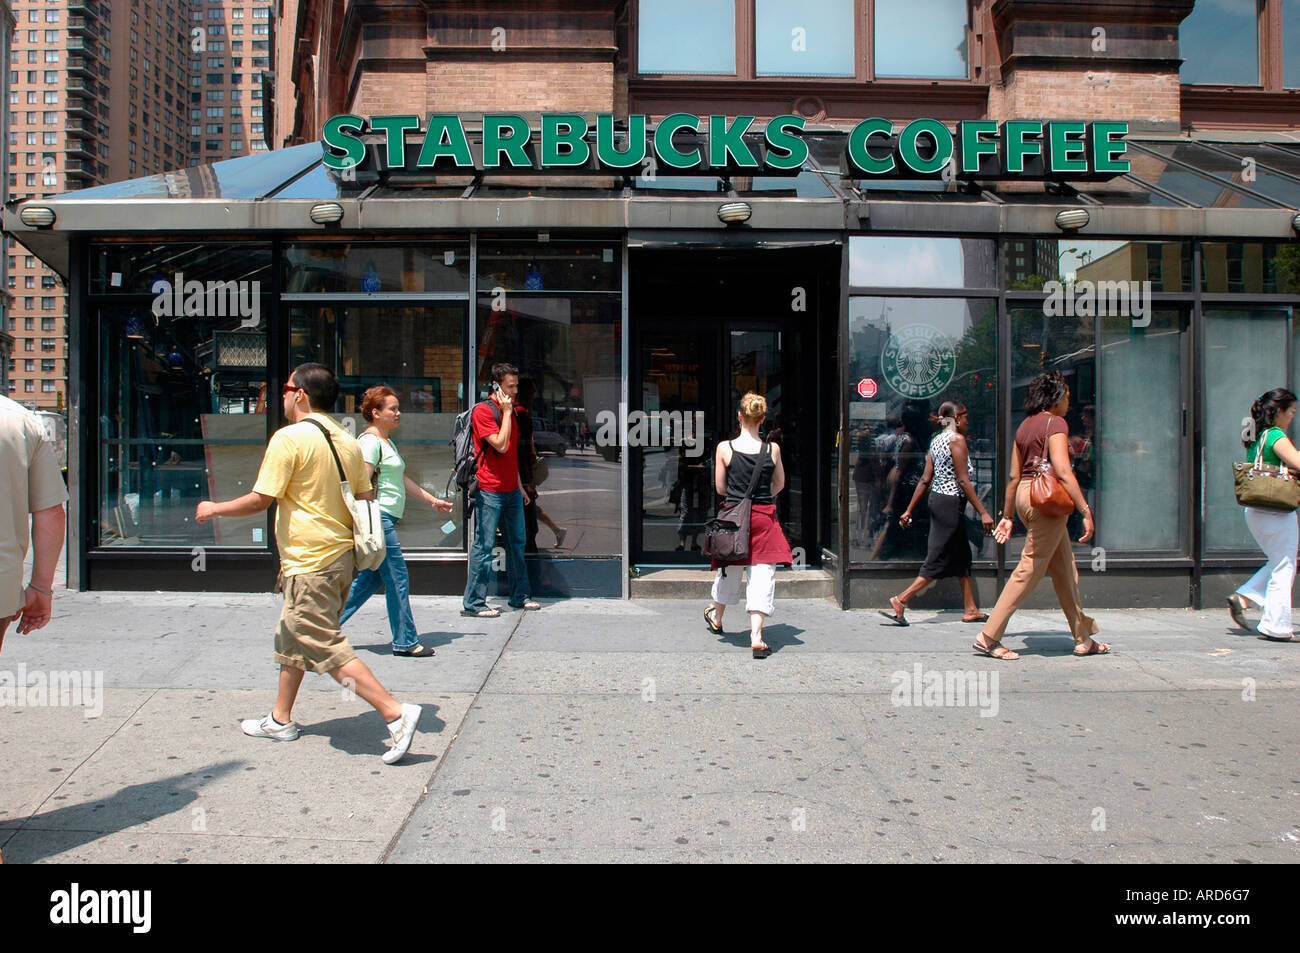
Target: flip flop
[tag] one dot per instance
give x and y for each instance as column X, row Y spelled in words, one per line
column 489, row 613
column 713, row 626
column 1098, row 648
column 1276, row 638
column 420, row 651
column 982, row 617
column 895, row 619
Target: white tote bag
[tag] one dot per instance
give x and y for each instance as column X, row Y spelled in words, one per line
column 367, row 529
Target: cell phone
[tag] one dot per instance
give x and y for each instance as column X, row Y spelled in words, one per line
column 496, row 388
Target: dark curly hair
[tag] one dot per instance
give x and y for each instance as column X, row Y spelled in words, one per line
column 1265, row 410
column 1045, row 392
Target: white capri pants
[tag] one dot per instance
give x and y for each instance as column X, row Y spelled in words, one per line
column 1277, row 534
column 760, row 589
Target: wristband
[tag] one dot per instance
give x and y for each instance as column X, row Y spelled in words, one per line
column 44, row 592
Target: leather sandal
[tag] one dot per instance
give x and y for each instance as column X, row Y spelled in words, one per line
column 997, row 650
column 714, row 627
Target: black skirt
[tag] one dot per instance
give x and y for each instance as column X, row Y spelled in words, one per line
column 949, row 553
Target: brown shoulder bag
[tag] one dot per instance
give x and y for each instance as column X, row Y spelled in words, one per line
column 1046, row 493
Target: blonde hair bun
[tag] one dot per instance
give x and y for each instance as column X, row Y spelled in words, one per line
column 753, row 407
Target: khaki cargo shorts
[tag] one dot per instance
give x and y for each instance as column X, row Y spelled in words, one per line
column 308, row 635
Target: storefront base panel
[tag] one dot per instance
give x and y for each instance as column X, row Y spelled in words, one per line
column 1218, row 584
column 1115, row 588
column 256, row 572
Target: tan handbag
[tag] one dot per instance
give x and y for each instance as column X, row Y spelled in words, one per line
column 1046, row 493
column 1264, row 485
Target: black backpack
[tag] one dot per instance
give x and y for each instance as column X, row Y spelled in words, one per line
column 464, row 471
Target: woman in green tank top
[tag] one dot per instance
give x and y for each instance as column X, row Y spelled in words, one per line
column 1276, row 532
column 380, row 408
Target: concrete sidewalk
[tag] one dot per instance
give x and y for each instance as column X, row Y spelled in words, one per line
column 602, row 730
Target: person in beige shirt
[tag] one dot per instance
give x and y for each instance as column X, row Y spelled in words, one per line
column 30, row 485
column 313, row 531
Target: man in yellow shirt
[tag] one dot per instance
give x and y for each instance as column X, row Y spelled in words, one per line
column 313, row 531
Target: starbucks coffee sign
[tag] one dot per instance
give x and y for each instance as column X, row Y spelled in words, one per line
column 686, row 144
column 918, row 362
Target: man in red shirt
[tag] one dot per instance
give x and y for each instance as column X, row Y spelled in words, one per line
column 501, row 500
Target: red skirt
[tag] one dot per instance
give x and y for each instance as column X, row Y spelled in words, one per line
column 767, row 542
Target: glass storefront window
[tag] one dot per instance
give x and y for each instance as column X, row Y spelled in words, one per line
column 1032, row 262
column 1291, row 44
column 686, row 36
column 919, row 352
column 921, row 39
column 1137, row 440
column 182, row 404
column 418, row 351
column 1219, row 43
column 549, row 266
column 890, row 262
column 568, row 350
column 367, row 268
column 812, row 38
column 1250, row 267
column 1245, row 356
column 134, row 268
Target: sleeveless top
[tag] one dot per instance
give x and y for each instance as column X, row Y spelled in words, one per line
column 1271, row 436
column 945, row 473
column 741, row 471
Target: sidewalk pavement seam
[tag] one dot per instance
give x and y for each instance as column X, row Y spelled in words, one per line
column 397, row 835
column 68, row 775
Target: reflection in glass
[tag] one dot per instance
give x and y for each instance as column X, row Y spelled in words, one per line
column 921, row 262
column 1249, row 346
column 1291, row 44
column 569, row 348
column 364, row 267
column 246, row 177
column 1219, row 43
column 1251, row 267
column 686, row 36
column 182, row 419
column 924, row 39
column 1141, row 435
column 1031, row 262
column 419, row 353
column 919, row 352
column 550, row 266
column 811, row 38
column 133, row 267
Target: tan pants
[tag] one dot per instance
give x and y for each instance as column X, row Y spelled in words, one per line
column 308, row 635
column 4, row 627
column 1047, row 552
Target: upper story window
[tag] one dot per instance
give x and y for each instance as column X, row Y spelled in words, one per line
column 846, row 39
column 1241, row 43
column 812, row 38
column 687, row 36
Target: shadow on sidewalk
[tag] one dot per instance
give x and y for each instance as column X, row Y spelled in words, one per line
column 69, row 828
column 776, row 636
column 434, row 640
column 364, row 733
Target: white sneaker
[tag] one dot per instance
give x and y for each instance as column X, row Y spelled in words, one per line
column 268, row 728
column 402, row 731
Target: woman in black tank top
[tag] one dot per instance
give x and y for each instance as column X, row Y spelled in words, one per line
column 734, row 464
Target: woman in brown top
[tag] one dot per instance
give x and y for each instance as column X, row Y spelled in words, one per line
column 1042, row 436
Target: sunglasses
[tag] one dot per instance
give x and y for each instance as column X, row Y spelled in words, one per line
column 289, row 389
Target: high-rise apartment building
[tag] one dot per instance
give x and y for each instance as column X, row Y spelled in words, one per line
column 6, row 339
column 227, row 62
column 100, row 92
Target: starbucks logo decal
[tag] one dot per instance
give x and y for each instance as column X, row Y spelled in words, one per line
column 919, row 361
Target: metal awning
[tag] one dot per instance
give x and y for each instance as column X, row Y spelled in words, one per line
column 1175, row 187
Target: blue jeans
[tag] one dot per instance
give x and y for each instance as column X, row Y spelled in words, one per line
column 506, row 510
column 392, row 575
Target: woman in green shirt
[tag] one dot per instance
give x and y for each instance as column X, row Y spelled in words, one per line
column 1276, row 531
column 380, row 408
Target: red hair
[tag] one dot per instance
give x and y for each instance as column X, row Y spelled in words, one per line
column 373, row 399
